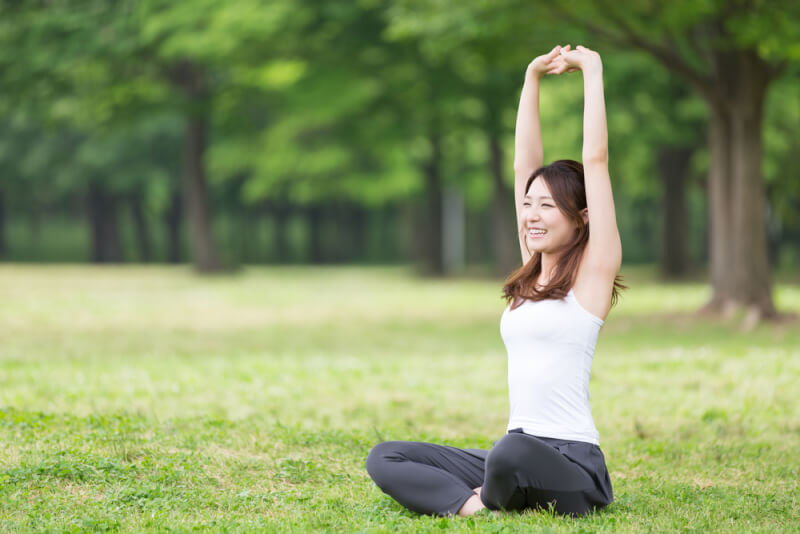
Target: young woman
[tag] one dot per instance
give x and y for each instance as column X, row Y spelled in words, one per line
column 558, row 300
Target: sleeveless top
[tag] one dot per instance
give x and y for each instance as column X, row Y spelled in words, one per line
column 550, row 346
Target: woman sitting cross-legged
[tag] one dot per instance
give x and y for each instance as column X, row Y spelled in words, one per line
column 557, row 303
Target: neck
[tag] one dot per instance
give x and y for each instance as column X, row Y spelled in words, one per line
column 548, row 264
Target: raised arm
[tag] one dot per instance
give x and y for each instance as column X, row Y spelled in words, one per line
column 528, row 151
column 603, row 256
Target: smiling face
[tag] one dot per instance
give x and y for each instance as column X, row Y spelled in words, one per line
column 547, row 229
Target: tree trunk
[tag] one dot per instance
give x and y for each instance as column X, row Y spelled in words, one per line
column 385, row 224
column 204, row 251
column 739, row 264
column 315, row 216
column 430, row 235
column 140, row 229
column 453, row 231
column 191, row 80
column 35, row 222
column 103, row 224
column 337, row 230
column 505, row 237
column 673, row 165
column 246, row 228
column 751, row 276
column 280, row 218
column 719, row 203
column 3, row 241
column 172, row 223
column 358, row 220
column 477, row 246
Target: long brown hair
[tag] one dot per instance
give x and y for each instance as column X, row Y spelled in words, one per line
column 565, row 180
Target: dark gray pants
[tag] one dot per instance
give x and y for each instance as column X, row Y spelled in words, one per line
column 520, row 471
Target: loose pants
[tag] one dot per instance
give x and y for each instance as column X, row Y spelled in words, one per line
column 520, row 471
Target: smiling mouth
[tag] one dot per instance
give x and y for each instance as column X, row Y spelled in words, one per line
column 536, row 233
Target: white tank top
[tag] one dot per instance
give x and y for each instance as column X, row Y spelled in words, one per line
column 550, row 346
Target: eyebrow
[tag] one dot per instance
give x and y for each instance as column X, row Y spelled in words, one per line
column 541, row 197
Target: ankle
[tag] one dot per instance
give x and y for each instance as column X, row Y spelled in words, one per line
column 472, row 505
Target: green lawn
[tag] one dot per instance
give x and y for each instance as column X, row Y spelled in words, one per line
column 148, row 399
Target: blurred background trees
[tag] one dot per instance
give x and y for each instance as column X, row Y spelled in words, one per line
column 227, row 133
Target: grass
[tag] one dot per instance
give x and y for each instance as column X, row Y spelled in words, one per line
column 147, row 399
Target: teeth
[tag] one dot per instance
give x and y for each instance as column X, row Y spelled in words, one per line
column 537, row 232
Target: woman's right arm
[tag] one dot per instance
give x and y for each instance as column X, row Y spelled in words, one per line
column 528, row 153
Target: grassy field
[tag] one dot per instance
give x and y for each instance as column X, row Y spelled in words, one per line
column 147, row 399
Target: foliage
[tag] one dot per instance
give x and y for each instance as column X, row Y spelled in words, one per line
column 311, row 103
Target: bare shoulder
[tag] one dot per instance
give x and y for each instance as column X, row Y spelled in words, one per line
column 593, row 287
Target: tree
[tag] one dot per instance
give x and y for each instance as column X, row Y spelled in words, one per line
column 362, row 125
column 68, row 75
column 189, row 47
column 656, row 129
column 478, row 45
column 730, row 53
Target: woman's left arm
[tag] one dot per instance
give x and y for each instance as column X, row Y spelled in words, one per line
column 603, row 255
column 604, row 252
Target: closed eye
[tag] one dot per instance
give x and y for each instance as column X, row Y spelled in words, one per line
column 547, row 205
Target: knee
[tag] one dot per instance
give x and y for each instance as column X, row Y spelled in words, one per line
column 379, row 455
column 501, row 485
column 502, row 470
column 504, row 460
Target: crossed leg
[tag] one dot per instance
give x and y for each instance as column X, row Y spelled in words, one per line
column 523, row 471
column 427, row 478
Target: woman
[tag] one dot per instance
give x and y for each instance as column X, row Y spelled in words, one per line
column 558, row 301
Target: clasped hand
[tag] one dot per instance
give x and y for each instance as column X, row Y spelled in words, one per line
column 562, row 59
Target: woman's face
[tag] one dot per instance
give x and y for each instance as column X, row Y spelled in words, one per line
column 547, row 230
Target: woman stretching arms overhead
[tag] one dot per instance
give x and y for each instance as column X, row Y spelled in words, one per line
column 557, row 303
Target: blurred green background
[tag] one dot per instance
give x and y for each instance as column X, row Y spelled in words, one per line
column 285, row 132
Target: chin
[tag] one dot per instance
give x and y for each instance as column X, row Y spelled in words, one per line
column 541, row 248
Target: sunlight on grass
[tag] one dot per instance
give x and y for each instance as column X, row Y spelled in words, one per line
column 150, row 399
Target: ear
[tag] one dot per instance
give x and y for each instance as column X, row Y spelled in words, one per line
column 585, row 215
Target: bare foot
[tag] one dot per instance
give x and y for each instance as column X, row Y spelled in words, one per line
column 472, row 505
